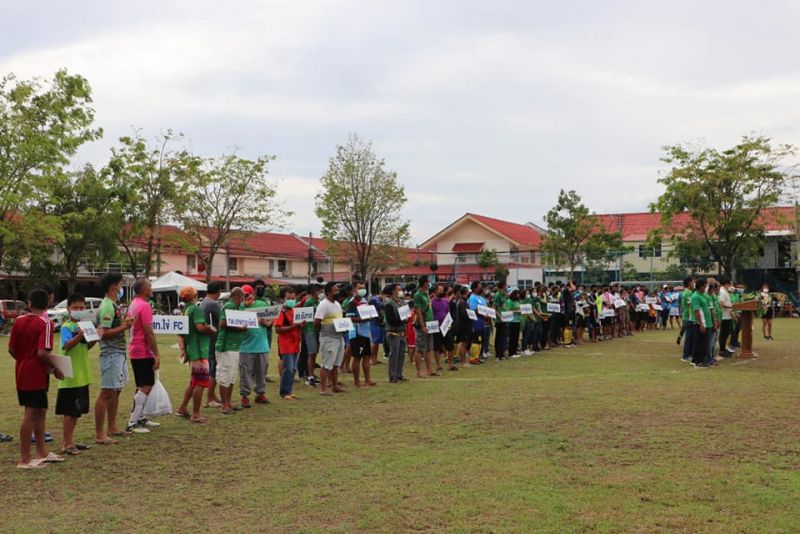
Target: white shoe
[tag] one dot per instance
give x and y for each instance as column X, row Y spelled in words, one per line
column 515, row 356
column 147, row 422
column 136, row 429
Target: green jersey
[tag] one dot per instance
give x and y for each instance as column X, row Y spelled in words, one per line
column 310, row 302
column 423, row 302
column 109, row 316
column 499, row 300
column 79, row 354
column 255, row 340
column 686, row 306
column 513, row 306
column 699, row 302
column 524, row 318
column 717, row 307
column 228, row 340
column 197, row 344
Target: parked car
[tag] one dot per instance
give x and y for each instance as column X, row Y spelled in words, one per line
column 59, row 312
column 11, row 309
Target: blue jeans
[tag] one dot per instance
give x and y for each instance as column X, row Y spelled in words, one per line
column 287, row 377
column 688, row 340
column 526, row 335
column 536, row 335
column 711, row 343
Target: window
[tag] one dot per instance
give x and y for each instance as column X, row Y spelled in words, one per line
column 524, row 284
column 271, row 266
column 233, row 265
column 191, row 263
column 461, row 258
column 282, row 266
column 646, row 252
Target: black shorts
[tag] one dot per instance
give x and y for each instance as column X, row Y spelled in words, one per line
column 580, row 321
column 33, row 399
column 464, row 335
column 769, row 314
column 438, row 342
column 143, row 373
column 360, row 347
column 449, row 343
column 73, row 402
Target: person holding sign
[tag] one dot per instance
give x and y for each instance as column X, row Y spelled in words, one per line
column 31, row 346
column 143, row 353
column 423, row 312
column 253, row 353
column 311, row 334
column 289, row 333
column 211, row 309
column 195, row 347
column 513, row 326
column 229, row 340
column 442, row 343
column 500, row 328
column 73, row 392
column 479, row 332
column 331, row 342
column 360, row 345
column 395, row 333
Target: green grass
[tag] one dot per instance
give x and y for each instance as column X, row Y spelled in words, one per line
column 612, row 437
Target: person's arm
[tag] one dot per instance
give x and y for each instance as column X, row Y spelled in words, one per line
column 319, row 315
column 45, row 353
column 150, row 336
column 420, row 319
column 698, row 316
column 73, row 340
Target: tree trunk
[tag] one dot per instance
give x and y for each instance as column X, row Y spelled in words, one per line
column 207, row 263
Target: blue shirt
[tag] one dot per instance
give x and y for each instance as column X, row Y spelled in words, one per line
column 472, row 303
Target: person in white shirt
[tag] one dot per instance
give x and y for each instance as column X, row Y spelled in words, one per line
column 726, row 325
column 331, row 342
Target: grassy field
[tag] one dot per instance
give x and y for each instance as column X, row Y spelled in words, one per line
column 614, row 437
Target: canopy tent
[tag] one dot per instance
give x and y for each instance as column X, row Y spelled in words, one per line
column 174, row 282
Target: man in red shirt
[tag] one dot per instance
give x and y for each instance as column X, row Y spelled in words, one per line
column 31, row 345
column 288, row 341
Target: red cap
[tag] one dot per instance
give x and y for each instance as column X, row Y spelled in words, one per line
column 248, row 289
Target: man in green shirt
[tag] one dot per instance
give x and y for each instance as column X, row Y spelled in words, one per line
column 513, row 326
column 229, row 340
column 700, row 322
column 423, row 313
column 500, row 328
column 311, row 334
column 195, row 347
column 686, row 318
column 253, row 353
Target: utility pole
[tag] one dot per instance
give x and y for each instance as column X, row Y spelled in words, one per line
column 158, row 250
column 227, row 266
column 310, row 256
column 652, row 254
column 621, row 259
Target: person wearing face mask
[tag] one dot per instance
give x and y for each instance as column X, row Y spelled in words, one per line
column 253, row 353
column 395, row 333
column 331, row 343
column 311, row 333
column 360, row 345
column 229, row 341
column 289, row 334
column 113, row 368
column 766, row 304
column 441, row 307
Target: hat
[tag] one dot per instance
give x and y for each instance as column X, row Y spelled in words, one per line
column 248, row 289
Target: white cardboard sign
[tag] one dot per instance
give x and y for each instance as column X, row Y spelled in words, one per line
column 486, row 311
column 650, row 300
column 553, row 307
column 367, row 311
column 472, row 315
column 304, row 314
column 404, row 312
column 432, row 326
column 170, row 324
column 89, row 331
column 506, row 316
column 268, row 313
column 240, row 318
column 619, row 303
column 446, row 324
column 526, row 309
column 343, row 325
column 64, row 363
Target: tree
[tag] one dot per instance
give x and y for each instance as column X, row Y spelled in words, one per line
column 573, row 234
column 84, row 208
column 229, row 196
column 724, row 193
column 42, row 124
column 152, row 179
column 360, row 203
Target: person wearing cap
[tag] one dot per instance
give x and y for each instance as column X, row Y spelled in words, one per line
column 253, row 353
column 229, row 341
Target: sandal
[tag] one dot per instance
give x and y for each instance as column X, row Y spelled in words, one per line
column 82, row 447
column 121, row 433
column 185, row 415
column 52, row 458
column 71, row 451
column 107, row 441
column 325, row 393
column 213, row 404
column 32, row 465
column 199, row 420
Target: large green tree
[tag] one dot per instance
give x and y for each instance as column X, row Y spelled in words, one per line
column 42, row 125
column 574, row 234
column 360, row 202
column 725, row 194
column 228, row 197
column 153, row 178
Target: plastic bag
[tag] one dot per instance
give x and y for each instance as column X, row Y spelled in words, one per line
column 158, row 402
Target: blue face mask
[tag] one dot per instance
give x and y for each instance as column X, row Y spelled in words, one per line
column 290, row 303
column 79, row 315
column 362, row 292
column 120, row 293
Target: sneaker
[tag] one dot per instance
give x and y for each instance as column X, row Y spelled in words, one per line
column 262, row 399
column 136, row 429
column 245, row 402
column 144, row 421
column 515, row 356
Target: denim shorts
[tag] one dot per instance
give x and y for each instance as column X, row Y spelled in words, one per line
column 113, row 370
column 376, row 332
column 311, row 340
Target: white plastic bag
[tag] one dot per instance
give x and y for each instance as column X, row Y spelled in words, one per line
column 158, row 402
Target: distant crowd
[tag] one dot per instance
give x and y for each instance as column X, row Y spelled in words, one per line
column 438, row 327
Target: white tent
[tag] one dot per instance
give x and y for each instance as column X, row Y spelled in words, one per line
column 174, row 282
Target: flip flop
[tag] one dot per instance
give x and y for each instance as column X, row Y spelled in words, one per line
column 326, row 393
column 185, row 415
column 82, row 447
column 32, row 465
column 72, row 451
column 52, row 458
column 213, row 404
column 121, row 433
column 107, row 441
column 199, row 420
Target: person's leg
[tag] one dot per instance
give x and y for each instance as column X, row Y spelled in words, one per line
column 26, row 430
column 197, row 401
column 688, row 342
column 764, row 327
column 366, row 362
column 735, row 334
column 68, row 439
column 260, row 373
column 769, row 328
column 188, row 394
column 111, row 411
column 211, row 397
column 100, row 410
column 40, row 414
column 246, row 370
column 725, row 330
column 287, row 376
column 485, row 338
column 394, row 357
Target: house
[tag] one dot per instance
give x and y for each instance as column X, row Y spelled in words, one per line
column 456, row 251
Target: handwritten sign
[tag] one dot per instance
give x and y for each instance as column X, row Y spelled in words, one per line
column 446, row 324
column 343, row 324
column 404, row 312
column 642, row 308
column 526, row 309
column 432, row 326
column 657, row 307
column 89, row 331
column 472, row 315
column 64, row 363
column 650, row 300
column 486, row 311
column 619, row 303
column 579, row 310
column 304, row 314
column 268, row 313
column 170, row 324
column 240, row 318
column 367, row 311
column 553, row 307
column 608, row 314
column 507, row 316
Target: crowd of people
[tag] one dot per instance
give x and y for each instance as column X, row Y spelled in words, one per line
column 435, row 326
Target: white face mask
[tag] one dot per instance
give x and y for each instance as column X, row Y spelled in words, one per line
column 401, row 293
column 79, row 315
column 765, row 290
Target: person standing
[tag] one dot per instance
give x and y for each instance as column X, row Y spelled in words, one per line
column 513, row 326
column 360, row 345
column 211, row 308
column 289, row 334
column 500, row 328
column 331, row 342
column 767, row 309
column 441, row 307
column 253, row 353
column 311, row 334
column 113, row 367
column 377, row 332
column 726, row 326
column 31, row 346
column 194, row 348
column 396, row 334
column 478, row 332
column 424, row 339
column 701, row 321
column 229, row 340
column 143, row 352
column 687, row 317
column 463, row 327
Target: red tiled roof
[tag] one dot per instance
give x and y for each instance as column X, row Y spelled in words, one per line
column 636, row 226
column 342, row 247
column 235, row 279
column 272, row 244
column 448, row 270
column 519, row 233
column 467, row 247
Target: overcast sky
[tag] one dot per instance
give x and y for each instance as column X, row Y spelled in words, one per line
column 479, row 106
